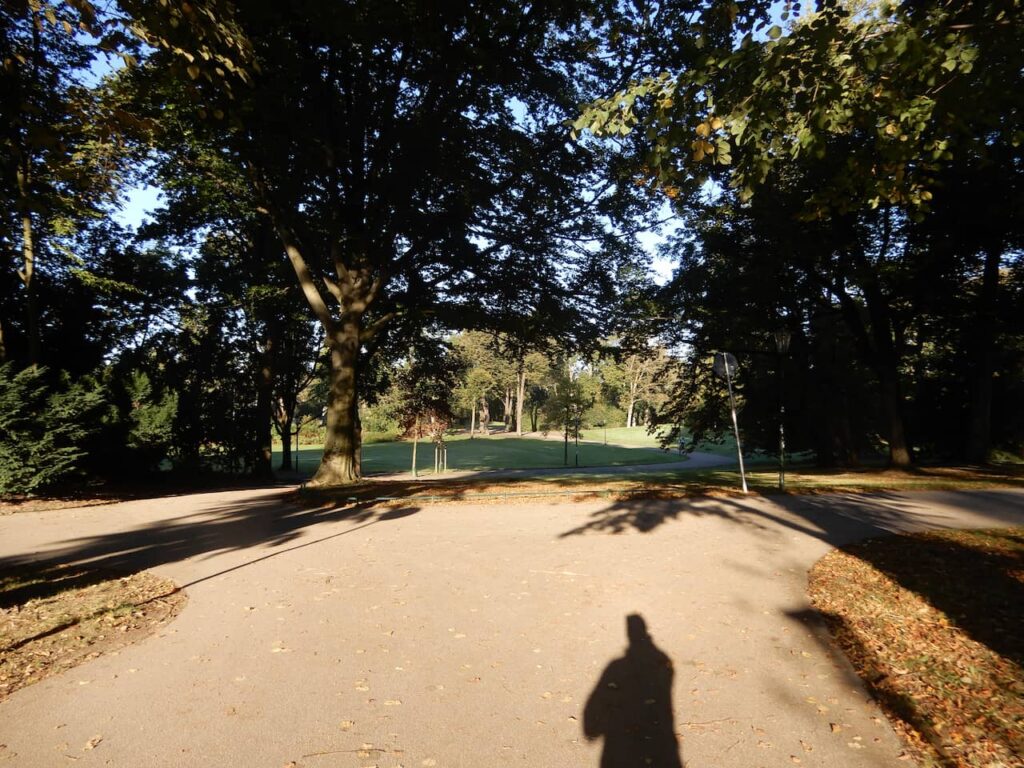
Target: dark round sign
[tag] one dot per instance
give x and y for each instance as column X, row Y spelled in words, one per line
column 725, row 364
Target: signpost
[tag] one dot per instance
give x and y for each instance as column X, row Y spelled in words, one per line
column 725, row 366
column 782, row 346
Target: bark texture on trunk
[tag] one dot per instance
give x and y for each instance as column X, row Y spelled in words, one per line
column 879, row 344
column 286, row 446
column 520, row 397
column 28, row 278
column 265, row 410
column 352, row 291
column 415, row 442
column 979, row 433
column 887, row 367
column 24, row 181
column 340, row 465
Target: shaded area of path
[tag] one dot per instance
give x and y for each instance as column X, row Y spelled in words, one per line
column 463, row 634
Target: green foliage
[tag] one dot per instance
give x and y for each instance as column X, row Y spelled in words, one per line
column 151, row 419
column 405, row 186
column 603, row 414
column 893, row 93
column 425, row 392
column 572, row 390
column 382, row 416
column 42, row 429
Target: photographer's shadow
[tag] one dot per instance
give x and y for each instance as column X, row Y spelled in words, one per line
column 631, row 706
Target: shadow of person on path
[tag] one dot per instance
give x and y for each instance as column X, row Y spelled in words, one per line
column 631, row 706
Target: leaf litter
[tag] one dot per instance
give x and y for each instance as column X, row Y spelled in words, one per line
column 932, row 624
column 54, row 617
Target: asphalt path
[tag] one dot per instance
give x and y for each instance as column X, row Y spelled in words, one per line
column 531, row 634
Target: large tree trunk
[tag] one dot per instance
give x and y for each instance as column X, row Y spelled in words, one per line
column 884, row 357
column 892, row 403
column 265, row 410
column 28, row 246
column 520, row 397
column 508, row 409
column 28, row 278
column 829, row 393
column 485, row 417
column 415, row 442
column 979, row 434
column 339, row 465
column 887, row 367
column 472, row 421
column 286, row 445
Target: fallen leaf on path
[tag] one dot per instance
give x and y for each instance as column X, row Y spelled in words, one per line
column 92, row 743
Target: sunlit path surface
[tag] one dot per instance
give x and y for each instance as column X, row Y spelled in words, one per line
column 468, row 635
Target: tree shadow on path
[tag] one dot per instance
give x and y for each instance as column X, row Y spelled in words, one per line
column 837, row 519
column 631, row 706
column 267, row 525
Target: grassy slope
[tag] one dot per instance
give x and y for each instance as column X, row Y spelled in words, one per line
column 639, row 437
column 483, row 453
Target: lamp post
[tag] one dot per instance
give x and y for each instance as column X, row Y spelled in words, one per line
column 577, row 437
column 782, row 337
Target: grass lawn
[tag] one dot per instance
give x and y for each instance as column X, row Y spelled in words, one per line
column 482, row 453
column 631, row 436
column 640, row 438
column 627, row 446
column 932, row 624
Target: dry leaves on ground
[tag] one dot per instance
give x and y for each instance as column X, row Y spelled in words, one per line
column 931, row 623
column 55, row 617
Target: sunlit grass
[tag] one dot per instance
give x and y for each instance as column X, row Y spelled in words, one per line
column 488, row 453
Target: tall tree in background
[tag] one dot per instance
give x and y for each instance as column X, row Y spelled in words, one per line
column 402, row 177
column 59, row 155
column 873, row 107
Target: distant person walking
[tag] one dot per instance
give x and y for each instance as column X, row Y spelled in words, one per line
column 631, row 706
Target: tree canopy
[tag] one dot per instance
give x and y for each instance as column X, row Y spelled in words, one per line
column 348, row 189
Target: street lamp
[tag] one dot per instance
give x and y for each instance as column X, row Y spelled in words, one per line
column 782, row 337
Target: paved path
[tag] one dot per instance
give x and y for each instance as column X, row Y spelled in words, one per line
column 466, row 635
